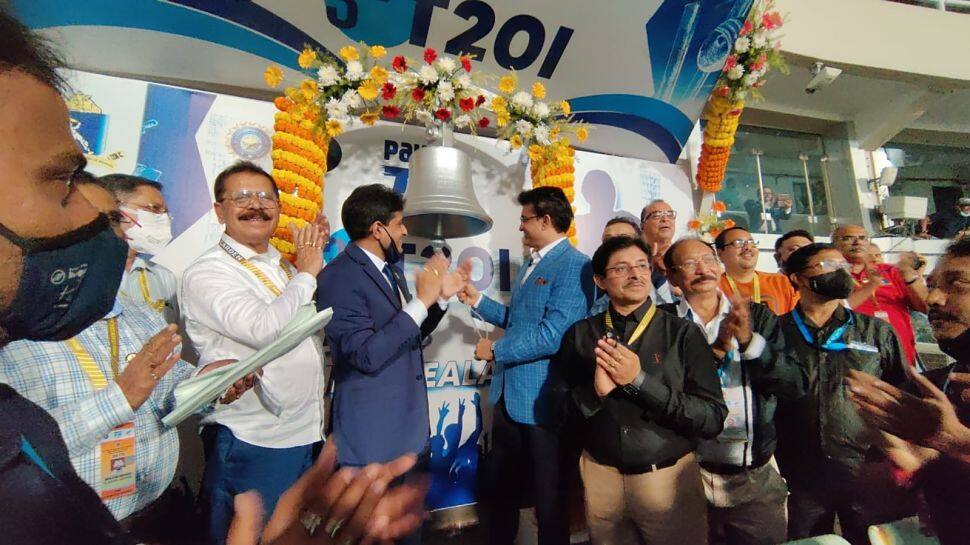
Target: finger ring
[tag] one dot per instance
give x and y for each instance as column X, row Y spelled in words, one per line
column 333, row 527
column 154, row 376
column 311, row 521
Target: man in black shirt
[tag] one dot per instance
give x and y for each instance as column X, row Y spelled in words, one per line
column 646, row 387
column 824, row 448
column 745, row 493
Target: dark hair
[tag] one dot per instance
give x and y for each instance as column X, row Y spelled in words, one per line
column 27, row 52
column 610, row 246
column 219, row 187
column 722, row 236
column 798, row 260
column 959, row 248
column 626, row 220
column 552, row 202
column 125, row 184
column 792, row 234
column 84, row 177
column 367, row 204
column 669, row 255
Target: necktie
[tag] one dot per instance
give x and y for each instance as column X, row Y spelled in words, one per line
column 390, row 278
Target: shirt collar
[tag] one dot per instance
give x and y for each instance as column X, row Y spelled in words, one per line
column 684, row 309
column 271, row 255
column 378, row 262
column 839, row 317
column 636, row 314
column 116, row 309
column 140, row 263
column 537, row 255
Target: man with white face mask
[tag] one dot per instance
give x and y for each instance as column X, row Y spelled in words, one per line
column 148, row 230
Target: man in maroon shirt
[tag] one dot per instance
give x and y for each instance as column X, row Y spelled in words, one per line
column 884, row 291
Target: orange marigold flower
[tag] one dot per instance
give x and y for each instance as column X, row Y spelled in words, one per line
column 693, row 224
column 718, row 206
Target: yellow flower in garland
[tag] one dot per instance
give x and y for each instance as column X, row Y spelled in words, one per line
column 334, row 128
column 368, row 91
column 308, row 89
column 306, row 58
column 378, row 74
column 515, row 141
column 349, row 53
column 566, row 110
column 273, row 76
column 499, row 104
column 506, row 84
column 538, row 90
column 377, row 51
column 582, row 134
column 369, row 118
column 502, row 118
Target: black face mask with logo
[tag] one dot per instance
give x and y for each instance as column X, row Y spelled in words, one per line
column 67, row 282
column 834, row 285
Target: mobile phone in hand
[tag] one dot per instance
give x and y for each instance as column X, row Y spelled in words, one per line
column 939, row 377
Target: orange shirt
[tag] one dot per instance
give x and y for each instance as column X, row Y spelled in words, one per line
column 776, row 291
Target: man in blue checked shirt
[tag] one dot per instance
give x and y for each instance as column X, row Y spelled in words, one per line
column 108, row 398
column 552, row 291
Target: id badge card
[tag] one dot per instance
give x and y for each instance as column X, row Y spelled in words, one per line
column 116, row 463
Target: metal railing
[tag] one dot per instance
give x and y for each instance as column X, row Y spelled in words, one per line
column 955, row 6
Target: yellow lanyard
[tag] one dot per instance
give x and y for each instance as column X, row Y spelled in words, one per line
column 756, row 296
column 641, row 327
column 89, row 365
column 157, row 304
column 255, row 270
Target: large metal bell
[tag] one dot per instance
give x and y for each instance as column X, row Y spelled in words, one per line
column 440, row 201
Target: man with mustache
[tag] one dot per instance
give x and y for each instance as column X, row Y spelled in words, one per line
column 888, row 292
column 658, row 224
column 824, row 448
column 739, row 253
column 745, row 494
column 932, row 420
column 237, row 297
column 54, row 233
column 646, row 388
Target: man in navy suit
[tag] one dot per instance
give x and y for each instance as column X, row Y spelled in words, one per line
column 380, row 406
column 553, row 290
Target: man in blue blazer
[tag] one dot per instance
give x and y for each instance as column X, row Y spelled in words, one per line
column 380, row 405
column 552, row 291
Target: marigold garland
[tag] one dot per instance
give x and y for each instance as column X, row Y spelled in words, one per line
column 299, row 164
column 554, row 166
column 722, row 118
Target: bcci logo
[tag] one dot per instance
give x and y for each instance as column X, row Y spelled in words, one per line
column 89, row 127
column 249, row 141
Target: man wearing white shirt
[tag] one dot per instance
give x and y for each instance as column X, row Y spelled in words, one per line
column 236, row 298
column 147, row 228
column 745, row 493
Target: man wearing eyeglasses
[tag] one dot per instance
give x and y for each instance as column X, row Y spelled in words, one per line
column 888, row 292
column 551, row 292
column 824, row 448
column 658, row 222
column 738, row 251
column 645, row 385
column 237, row 297
column 745, row 493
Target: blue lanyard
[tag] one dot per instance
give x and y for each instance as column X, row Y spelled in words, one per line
column 32, row 455
column 833, row 343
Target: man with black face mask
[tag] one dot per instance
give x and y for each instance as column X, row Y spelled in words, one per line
column 824, row 448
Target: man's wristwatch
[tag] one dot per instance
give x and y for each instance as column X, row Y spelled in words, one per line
column 633, row 388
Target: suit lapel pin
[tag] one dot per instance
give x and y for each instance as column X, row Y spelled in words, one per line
column 541, row 281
